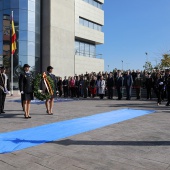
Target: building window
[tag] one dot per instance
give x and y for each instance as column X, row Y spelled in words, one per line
column 85, row 49
column 90, row 24
column 94, row 3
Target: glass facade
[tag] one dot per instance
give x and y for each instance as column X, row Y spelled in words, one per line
column 90, row 24
column 94, row 3
column 85, row 49
column 26, row 16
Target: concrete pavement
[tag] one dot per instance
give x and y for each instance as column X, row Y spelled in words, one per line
column 142, row 143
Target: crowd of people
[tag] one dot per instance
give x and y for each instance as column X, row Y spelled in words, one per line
column 91, row 85
column 102, row 84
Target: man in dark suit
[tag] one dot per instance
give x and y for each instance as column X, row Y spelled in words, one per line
column 119, row 85
column 1, row 89
column 128, row 82
column 110, row 86
column 6, row 87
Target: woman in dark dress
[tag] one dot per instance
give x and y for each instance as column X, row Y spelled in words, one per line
column 50, row 102
column 26, row 89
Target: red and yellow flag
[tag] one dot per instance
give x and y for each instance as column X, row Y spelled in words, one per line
column 13, row 39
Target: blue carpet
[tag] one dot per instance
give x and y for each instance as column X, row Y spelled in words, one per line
column 25, row 138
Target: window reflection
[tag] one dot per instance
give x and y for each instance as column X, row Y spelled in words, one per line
column 94, row 3
column 23, row 4
column 31, row 36
column 1, row 4
column 31, row 48
column 90, row 24
column 22, row 35
column 0, row 47
column 14, row 3
column 23, row 48
column 23, row 21
column 0, row 35
column 31, row 21
column 31, row 6
column 37, row 50
column 6, row 4
column 85, row 49
column 27, row 27
column 1, row 20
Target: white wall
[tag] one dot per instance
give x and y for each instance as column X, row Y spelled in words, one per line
column 61, row 34
column 83, row 64
column 89, row 12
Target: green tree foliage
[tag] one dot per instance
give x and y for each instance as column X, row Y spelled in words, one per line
column 165, row 61
column 148, row 66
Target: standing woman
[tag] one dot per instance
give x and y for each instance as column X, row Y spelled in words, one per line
column 101, row 87
column 26, row 89
column 50, row 102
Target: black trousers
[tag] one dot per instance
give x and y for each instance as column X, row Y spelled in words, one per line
column 149, row 93
column 168, row 92
column 65, row 90
column 119, row 93
column 110, row 92
column 3, row 101
column 138, row 95
column 128, row 92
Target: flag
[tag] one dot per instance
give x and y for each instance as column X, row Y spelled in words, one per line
column 13, row 39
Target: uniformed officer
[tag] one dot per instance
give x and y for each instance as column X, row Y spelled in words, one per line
column 26, row 89
column 6, row 87
column 2, row 79
column 50, row 102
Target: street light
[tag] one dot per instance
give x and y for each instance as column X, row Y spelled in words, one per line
column 146, row 56
column 122, row 65
column 122, row 78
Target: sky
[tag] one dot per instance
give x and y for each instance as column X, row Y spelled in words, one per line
column 133, row 28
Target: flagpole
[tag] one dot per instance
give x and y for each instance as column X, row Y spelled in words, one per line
column 12, row 65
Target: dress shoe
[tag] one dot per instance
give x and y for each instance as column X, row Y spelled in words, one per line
column 2, row 111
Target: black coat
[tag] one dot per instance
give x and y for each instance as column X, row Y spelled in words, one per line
column 128, row 80
column 26, row 82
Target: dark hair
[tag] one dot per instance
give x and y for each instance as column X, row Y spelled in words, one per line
column 49, row 67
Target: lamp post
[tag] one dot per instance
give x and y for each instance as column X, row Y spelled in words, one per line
column 127, row 66
column 146, row 56
column 122, row 78
column 122, row 65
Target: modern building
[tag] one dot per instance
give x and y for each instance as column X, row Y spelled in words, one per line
column 61, row 33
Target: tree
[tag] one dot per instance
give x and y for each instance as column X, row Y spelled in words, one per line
column 148, row 66
column 165, row 61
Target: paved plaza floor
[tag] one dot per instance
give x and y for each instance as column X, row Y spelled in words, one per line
column 141, row 143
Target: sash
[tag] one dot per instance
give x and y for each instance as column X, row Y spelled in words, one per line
column 47, row 84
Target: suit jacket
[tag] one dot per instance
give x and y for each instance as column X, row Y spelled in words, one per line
column 128, row 81
column 26, row 82
column 2, row 82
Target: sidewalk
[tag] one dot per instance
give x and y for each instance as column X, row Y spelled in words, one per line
column 141, row 143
